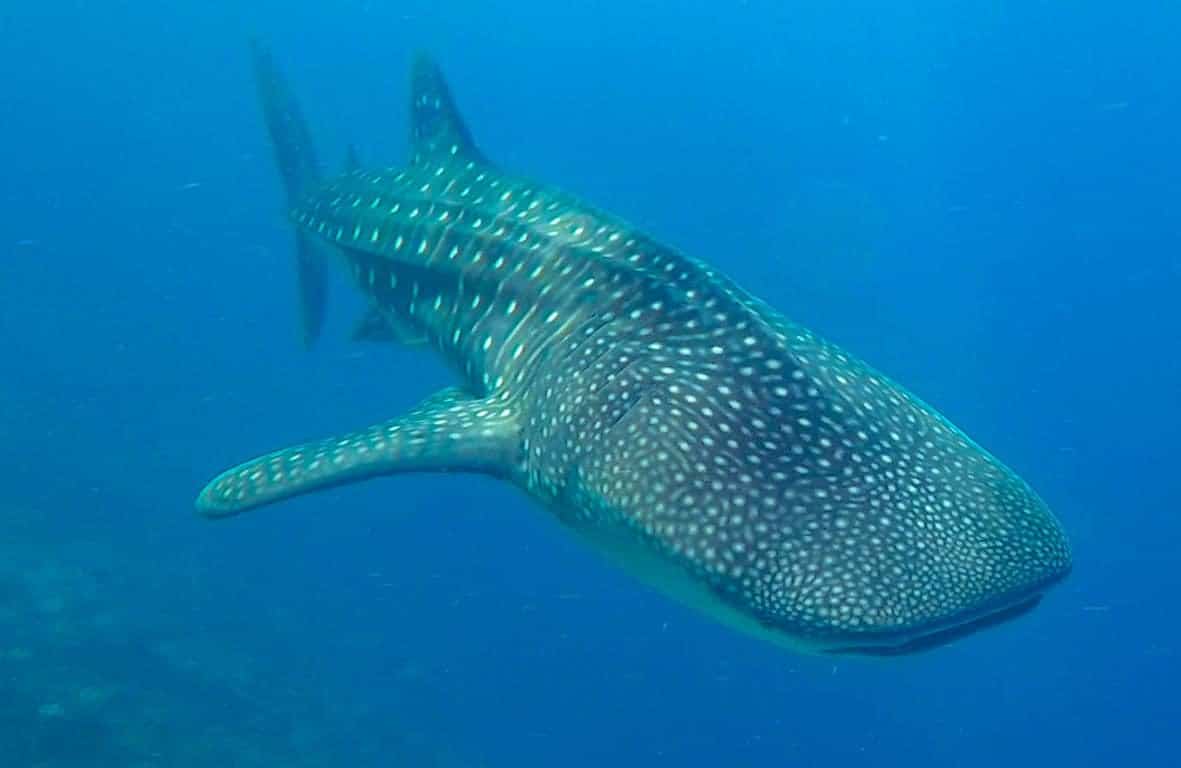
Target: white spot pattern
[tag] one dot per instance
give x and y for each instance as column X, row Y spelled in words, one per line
column 647, row 395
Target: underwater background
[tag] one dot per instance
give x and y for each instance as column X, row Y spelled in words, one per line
column 981, row 199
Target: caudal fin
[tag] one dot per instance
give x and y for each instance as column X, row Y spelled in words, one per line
column 300, row 171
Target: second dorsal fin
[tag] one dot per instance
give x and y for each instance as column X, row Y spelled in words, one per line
column 437, row 130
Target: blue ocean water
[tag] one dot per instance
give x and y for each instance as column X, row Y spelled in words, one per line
column 981, row 199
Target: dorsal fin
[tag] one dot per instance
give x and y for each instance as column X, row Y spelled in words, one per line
column 437, row 130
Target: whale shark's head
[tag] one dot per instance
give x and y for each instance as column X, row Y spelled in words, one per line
column 889, row 531
column 826, row 506
column 931, row 554
column 889, row 545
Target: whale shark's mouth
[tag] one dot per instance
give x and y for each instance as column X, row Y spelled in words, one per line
column 940, row 636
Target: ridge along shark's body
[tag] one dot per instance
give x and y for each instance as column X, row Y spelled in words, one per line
column 720, row 451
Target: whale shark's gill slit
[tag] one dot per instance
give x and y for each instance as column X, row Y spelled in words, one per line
column 448, row 432
column 635, row 401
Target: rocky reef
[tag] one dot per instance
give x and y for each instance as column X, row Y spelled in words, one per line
column 95, row 672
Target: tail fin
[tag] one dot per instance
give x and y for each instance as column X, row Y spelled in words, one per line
column 300, row 171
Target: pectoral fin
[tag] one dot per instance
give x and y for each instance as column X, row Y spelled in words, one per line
column 449, row 432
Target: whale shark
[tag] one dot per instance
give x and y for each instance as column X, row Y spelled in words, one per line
column 722, row 453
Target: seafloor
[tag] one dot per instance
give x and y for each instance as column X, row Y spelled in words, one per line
column 94, row 673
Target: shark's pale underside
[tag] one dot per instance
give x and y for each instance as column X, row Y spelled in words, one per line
column 720, row 451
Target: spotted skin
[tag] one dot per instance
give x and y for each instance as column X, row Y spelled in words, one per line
column 720, row 451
